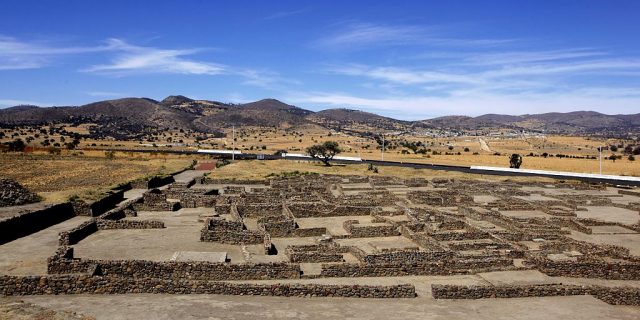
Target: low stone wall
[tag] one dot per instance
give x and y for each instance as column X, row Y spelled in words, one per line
column 255, row 211
column 208, row 180
column 442, row 267
column 107, row 202
column 78, row 233
column 81, row 208
column 405, row 256
column 572, row 224
column 313, row 210
column 458, row 236
column 232, row 237
column 153, row 182
column 315, row 253
column 129, row 224
column 478, row 245
column 277, row 226
column 83, row 284
column 230, row 232
column 612, row 270
column 309, row 232
column 610, row 295
column 367, row 231
column 29, row 222
column 63, row 262
column 155, row 200
column 192, row 198
column 586, row 248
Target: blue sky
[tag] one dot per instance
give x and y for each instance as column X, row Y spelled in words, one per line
column 405, row 59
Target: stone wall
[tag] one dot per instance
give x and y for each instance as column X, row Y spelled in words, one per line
column 610, row 295
column 83, row 284
column 64, row 263
column 129, row 224
column 315, row 253
column 230, row 232
column 109, row 201
column 190, row 198
column 310, row 232
column 277, row 226
column 478, row 245
column 312, row 210
column 27, row 223
column 367, row 231
column 457, row 236
column 612, row 270
column 78, row 233
column 85, row 229
column 155, row 200
column 261, row 210
column 441, row 267
column 153, row 182
column 405, row 256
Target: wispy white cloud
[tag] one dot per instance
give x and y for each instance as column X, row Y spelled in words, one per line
column 132, row 59
column 602, row 66
column 421, row 107
column 451, row 79
column 17, row 54
column 128, row 59
column 359, row 35
column 519, row 57
column 402, row 75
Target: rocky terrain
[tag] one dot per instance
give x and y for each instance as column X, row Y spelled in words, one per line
column 13, row 194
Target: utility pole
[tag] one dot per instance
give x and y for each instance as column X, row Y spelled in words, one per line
column 233, row 153
column 382, row 149
column 600, row 149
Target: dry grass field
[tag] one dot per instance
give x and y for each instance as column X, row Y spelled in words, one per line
column 463, row 150
column 56, row 178
column 469, row 148
column 260, row 170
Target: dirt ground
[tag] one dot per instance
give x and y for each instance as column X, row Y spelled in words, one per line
column 146, row 306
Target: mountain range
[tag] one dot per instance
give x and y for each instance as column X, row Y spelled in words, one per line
column 130, row 115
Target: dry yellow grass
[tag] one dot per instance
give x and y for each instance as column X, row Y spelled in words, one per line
column 260, row 170
column 355, row 146
column 253, row 139
column 56, row 178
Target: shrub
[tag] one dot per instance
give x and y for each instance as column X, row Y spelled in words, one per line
column 110, row 155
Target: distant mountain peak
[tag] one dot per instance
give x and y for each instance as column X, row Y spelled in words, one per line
column 175, row 100
column 209, row 116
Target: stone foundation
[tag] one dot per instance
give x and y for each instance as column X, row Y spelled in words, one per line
column 610, row 295
column 83, row 284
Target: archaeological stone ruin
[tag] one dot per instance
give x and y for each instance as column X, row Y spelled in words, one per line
column 279, row 236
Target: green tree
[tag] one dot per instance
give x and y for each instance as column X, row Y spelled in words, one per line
column 324, row 152
column 515, row 161
column 16, row 145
